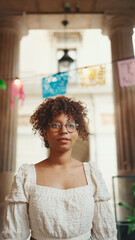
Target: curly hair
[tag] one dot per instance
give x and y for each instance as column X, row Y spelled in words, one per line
column 52, row 107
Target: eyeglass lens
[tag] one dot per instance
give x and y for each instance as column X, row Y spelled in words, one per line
column 71, row 127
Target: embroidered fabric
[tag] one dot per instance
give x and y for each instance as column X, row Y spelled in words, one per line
column 51, row 213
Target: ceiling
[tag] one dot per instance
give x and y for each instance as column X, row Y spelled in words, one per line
column 57, row 6
column 81, row 14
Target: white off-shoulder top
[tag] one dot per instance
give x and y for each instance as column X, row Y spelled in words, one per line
column 49, row 213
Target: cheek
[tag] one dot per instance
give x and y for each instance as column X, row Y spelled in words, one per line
column 50, row 136
column 75, row 137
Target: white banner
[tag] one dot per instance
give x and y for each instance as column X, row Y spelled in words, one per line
column 126, row 69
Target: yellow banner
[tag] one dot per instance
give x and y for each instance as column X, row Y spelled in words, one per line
column 92, row 76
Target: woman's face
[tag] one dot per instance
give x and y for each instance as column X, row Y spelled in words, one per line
column 60, row 137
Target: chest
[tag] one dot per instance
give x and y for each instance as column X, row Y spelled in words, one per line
column 61, row 178
column 62, row 210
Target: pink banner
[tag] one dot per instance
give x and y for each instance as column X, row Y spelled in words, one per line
column 126, row 69
column 17, row 90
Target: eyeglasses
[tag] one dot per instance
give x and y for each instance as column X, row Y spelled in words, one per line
column 71, row 127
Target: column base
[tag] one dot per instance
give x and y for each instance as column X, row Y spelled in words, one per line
column 6, row 179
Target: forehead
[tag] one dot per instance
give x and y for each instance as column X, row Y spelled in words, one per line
column 63, row 117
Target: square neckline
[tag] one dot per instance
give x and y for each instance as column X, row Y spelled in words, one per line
column 62, row 189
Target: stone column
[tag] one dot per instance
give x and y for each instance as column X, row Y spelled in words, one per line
column 120, row 30
column 11, row 31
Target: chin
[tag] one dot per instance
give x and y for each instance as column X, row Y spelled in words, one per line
column 64, row 148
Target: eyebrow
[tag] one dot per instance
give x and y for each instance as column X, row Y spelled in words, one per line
column 58, row 121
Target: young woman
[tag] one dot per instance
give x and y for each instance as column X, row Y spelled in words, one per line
column 59, row 197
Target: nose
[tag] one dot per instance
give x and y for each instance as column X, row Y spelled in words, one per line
column 63, row 129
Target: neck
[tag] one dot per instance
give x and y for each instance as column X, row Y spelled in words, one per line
column 60, row 159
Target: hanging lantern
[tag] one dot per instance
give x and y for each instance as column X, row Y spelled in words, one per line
column 65, row 62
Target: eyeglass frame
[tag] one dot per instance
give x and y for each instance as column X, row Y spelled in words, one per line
column 61, row 124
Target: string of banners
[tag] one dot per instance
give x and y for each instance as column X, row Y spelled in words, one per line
column 89, row 76
column 16, row 90
column 56, row 84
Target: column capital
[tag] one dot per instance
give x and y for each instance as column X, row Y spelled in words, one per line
column 117, row 23
column 17, row 24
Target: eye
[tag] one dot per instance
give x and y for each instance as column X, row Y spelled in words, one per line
column 55, row 125
column 71, row 125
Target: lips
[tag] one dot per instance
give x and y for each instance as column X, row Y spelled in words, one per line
column 63, row 139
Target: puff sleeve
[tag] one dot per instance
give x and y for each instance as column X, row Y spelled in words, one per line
column 103, row 225
column 16, row 219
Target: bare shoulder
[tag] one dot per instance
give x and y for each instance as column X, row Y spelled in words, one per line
column 77, row 163
column 41, row 164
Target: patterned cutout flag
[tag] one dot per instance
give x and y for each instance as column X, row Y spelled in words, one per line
column 55, row 84
column 2, row 84
column 17, row 90
column 126, row 69
column 92, row 76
